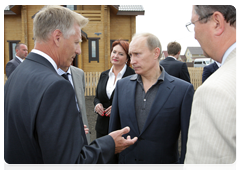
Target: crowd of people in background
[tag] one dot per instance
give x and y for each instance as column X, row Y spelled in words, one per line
column 144, row 105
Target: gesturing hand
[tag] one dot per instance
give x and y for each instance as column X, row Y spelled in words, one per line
column 120, row 142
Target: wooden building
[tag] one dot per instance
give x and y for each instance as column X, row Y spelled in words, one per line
column 193, row 53
column 106, row 24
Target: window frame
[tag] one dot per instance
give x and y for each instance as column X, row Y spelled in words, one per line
column 90, row 40
column 10, row 43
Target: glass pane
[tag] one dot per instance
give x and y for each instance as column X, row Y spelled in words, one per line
column 13, row 49
column 93, row 49
column 70, row 7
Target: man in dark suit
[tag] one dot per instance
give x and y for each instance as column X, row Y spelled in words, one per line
column 171, row 64
column 155, row 105
column 41, row 120
column 21, row 53
column 209, row 70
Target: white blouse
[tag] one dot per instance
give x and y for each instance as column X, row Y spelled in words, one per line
column 110, row 84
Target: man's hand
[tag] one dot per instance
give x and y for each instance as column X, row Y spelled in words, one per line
column 120, row 142
column 86, row 129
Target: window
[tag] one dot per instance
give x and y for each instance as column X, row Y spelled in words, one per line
column 71, row 7
column 12, row 52
column 93, row 47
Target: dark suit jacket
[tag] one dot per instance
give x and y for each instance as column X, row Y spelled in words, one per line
column 101, row 97
column 169, row 114
column 208, row 70
column 11, row 65
column 176, row 68
column 41, row 120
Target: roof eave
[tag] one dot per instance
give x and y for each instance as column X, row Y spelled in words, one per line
column 130, row 13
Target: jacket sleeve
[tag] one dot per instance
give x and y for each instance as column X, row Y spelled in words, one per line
column 185, row 118
column 60, row 132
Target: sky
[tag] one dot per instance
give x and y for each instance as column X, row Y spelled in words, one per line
column 166, row 25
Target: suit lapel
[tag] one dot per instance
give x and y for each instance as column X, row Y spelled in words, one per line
column 164, row 91
column 17, row 60
column 130, row 93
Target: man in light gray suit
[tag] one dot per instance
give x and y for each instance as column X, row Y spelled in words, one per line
column 212, row 129
column 77, row 79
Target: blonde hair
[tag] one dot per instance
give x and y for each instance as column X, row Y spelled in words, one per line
column 151, row 40
column 50, row 18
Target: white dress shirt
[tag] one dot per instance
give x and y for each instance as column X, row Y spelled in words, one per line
column 19, row 59
column 111, row 84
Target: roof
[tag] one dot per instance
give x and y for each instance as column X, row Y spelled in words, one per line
column 129, row 9
column 195, row 50
column 183, row 58
column 7, row 7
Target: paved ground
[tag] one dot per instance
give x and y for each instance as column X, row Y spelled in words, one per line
column 92, row 117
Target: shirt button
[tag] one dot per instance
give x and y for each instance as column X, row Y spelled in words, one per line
column 144, row 99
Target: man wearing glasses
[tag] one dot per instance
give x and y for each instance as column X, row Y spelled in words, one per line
column 212, row 129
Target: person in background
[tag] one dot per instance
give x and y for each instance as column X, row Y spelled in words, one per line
column 171, row 64
column 21, row 53
column 41, row 121
column 209, row 70
column 212, row 129
column 76, row 77
column 155, row 105
column 120, row 60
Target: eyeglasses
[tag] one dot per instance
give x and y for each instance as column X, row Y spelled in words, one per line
column 190, row 26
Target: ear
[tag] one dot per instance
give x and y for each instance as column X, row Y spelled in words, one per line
column 156, row 52
column 219, row 23
column 57, row 37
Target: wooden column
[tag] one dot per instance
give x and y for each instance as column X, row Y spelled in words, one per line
column 106, row 31
column 24, row 25
column 132, row 27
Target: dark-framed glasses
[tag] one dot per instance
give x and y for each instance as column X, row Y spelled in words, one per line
column 190, row 26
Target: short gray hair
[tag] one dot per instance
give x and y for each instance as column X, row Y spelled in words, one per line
column 228, row 11
column 50, row 18
column 152, row 41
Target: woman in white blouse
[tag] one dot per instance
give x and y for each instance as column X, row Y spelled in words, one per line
column 105, row 89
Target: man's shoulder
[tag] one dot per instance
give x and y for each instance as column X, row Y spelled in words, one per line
column 13, row 61
column 76, row 69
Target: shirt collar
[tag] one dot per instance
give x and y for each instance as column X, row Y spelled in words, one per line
column 226, row 54
column 46, row 57
column 121, row 72
column 61, row 72
column 172, row 57
column 19, row 58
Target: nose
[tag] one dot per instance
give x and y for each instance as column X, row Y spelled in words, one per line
column 78, row 50
column 132, row 61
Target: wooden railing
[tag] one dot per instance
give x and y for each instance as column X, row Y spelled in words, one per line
column 195, row 76
column 91, row 80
